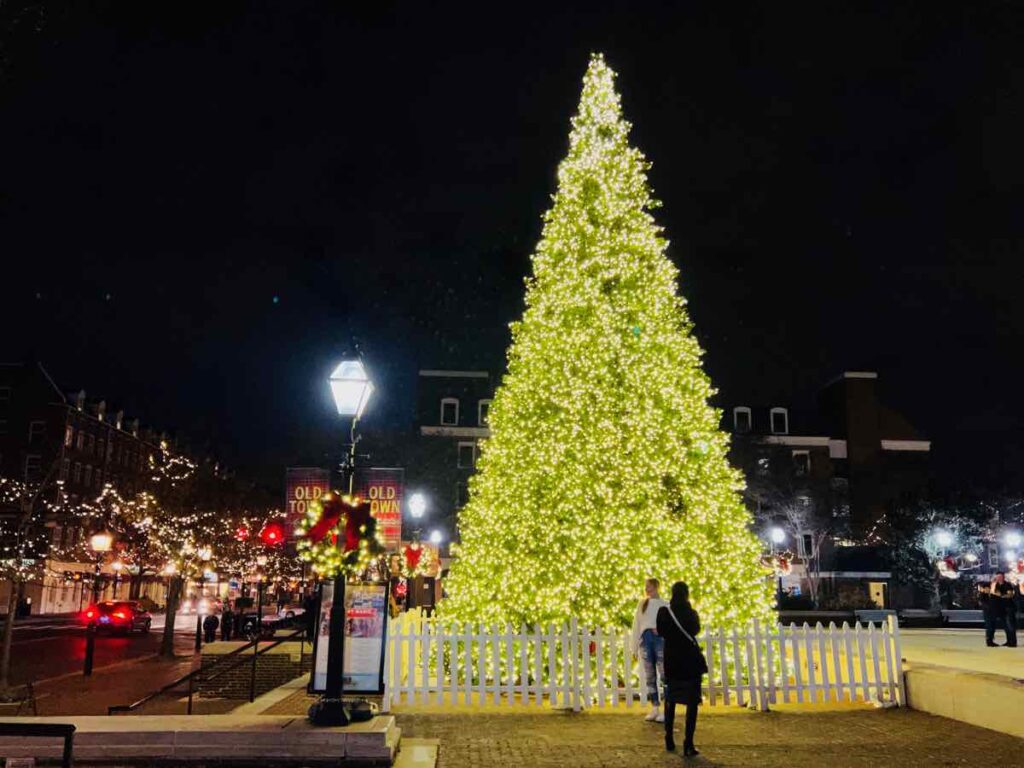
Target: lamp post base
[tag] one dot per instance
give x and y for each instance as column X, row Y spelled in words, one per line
column 329, row 712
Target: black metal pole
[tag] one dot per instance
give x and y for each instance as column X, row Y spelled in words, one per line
column 199, row 630
column 90, row 647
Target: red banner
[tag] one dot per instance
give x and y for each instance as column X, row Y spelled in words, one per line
column 384, row 490
column 303, row 485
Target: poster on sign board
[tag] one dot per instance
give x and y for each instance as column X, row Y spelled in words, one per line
column 303, row 485
column 366, row 618
column 384, row 489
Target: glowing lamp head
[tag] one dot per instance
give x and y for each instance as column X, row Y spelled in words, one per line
column 1012, row 539
column 1011, row 557
column 101, row 542
column 417, row 505
column 351, row 388
column 436, row 537
column 944, row 539
column 777, row 535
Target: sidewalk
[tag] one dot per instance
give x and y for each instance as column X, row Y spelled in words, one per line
column 726, row 738
column 839, row 735
column 120, row 683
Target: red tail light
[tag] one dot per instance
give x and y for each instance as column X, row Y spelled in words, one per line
column 120, row 615
column 90, row 614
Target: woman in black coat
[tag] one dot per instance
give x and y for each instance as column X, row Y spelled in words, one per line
column 684, row 664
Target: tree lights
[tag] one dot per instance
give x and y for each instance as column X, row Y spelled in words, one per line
column 606, row 464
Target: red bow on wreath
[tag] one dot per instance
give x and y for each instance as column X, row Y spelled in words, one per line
column 413, row 553
column 357, row 521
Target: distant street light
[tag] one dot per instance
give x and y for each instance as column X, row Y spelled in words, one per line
column 777, row 535
column 417, row 505
column 1012, row 539
column 436, row 537
column 944, row 539
column 101, row 543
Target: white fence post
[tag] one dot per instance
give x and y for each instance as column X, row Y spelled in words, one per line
column 897, row 652
column 574, row 638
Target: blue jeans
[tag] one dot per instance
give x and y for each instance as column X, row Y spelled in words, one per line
column 652, row 651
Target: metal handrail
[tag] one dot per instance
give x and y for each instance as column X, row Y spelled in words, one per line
column 196, row 673
column 64, row 731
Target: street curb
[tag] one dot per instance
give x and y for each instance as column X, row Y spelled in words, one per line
column 115, row 665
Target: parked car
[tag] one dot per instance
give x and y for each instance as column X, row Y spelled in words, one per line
column 118, row 616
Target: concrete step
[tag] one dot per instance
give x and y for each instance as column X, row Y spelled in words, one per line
column 224, row 738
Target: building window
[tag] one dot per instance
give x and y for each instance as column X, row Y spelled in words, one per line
column 467, row 455
column 449, row 411
column 461, row 495
column 33, row 467
column 101, row 449
column 35, row 430
column 741, row 421
column 99, row 477
column 90, row 443
column 69, row 436
column 65, row 469
column 110, row 449
column 780, row 421
column 5, row 394
column 80, row 443
column 801, row 463
column 87, row 477
column 483, row 409
column 77, row 476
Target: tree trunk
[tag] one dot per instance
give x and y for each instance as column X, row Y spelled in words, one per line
column 6, row 692
column 173, row 595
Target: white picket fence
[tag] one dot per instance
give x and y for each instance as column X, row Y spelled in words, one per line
column 429, row 661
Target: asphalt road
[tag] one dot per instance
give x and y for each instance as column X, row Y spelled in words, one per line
column 43, row 651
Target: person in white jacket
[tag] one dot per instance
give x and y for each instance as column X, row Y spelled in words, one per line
column 645, row 643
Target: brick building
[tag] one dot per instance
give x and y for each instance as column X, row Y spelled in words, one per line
column 451, row 419
column 48, row 436
column 835, row 467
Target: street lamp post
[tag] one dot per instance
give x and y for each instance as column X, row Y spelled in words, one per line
column 351, row 389
column 101, row 543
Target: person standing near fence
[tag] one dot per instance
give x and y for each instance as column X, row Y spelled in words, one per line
column 227, row 622
column 648, row 645
column 1004, row 604
column 985, row 600
column 678, row 624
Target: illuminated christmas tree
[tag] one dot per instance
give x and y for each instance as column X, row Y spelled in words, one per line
column 606, row 464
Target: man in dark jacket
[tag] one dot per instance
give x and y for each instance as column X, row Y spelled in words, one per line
column 985, row 599
column 1004, row 600
column 227, row 623
column 210, row 627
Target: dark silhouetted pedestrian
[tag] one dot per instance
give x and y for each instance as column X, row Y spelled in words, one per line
column 685, row 665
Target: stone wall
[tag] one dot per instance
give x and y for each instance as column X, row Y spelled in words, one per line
column 274, row 668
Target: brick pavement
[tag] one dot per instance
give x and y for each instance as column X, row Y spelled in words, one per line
column 836, row 737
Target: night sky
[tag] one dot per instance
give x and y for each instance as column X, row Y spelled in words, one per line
column 203, row 205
